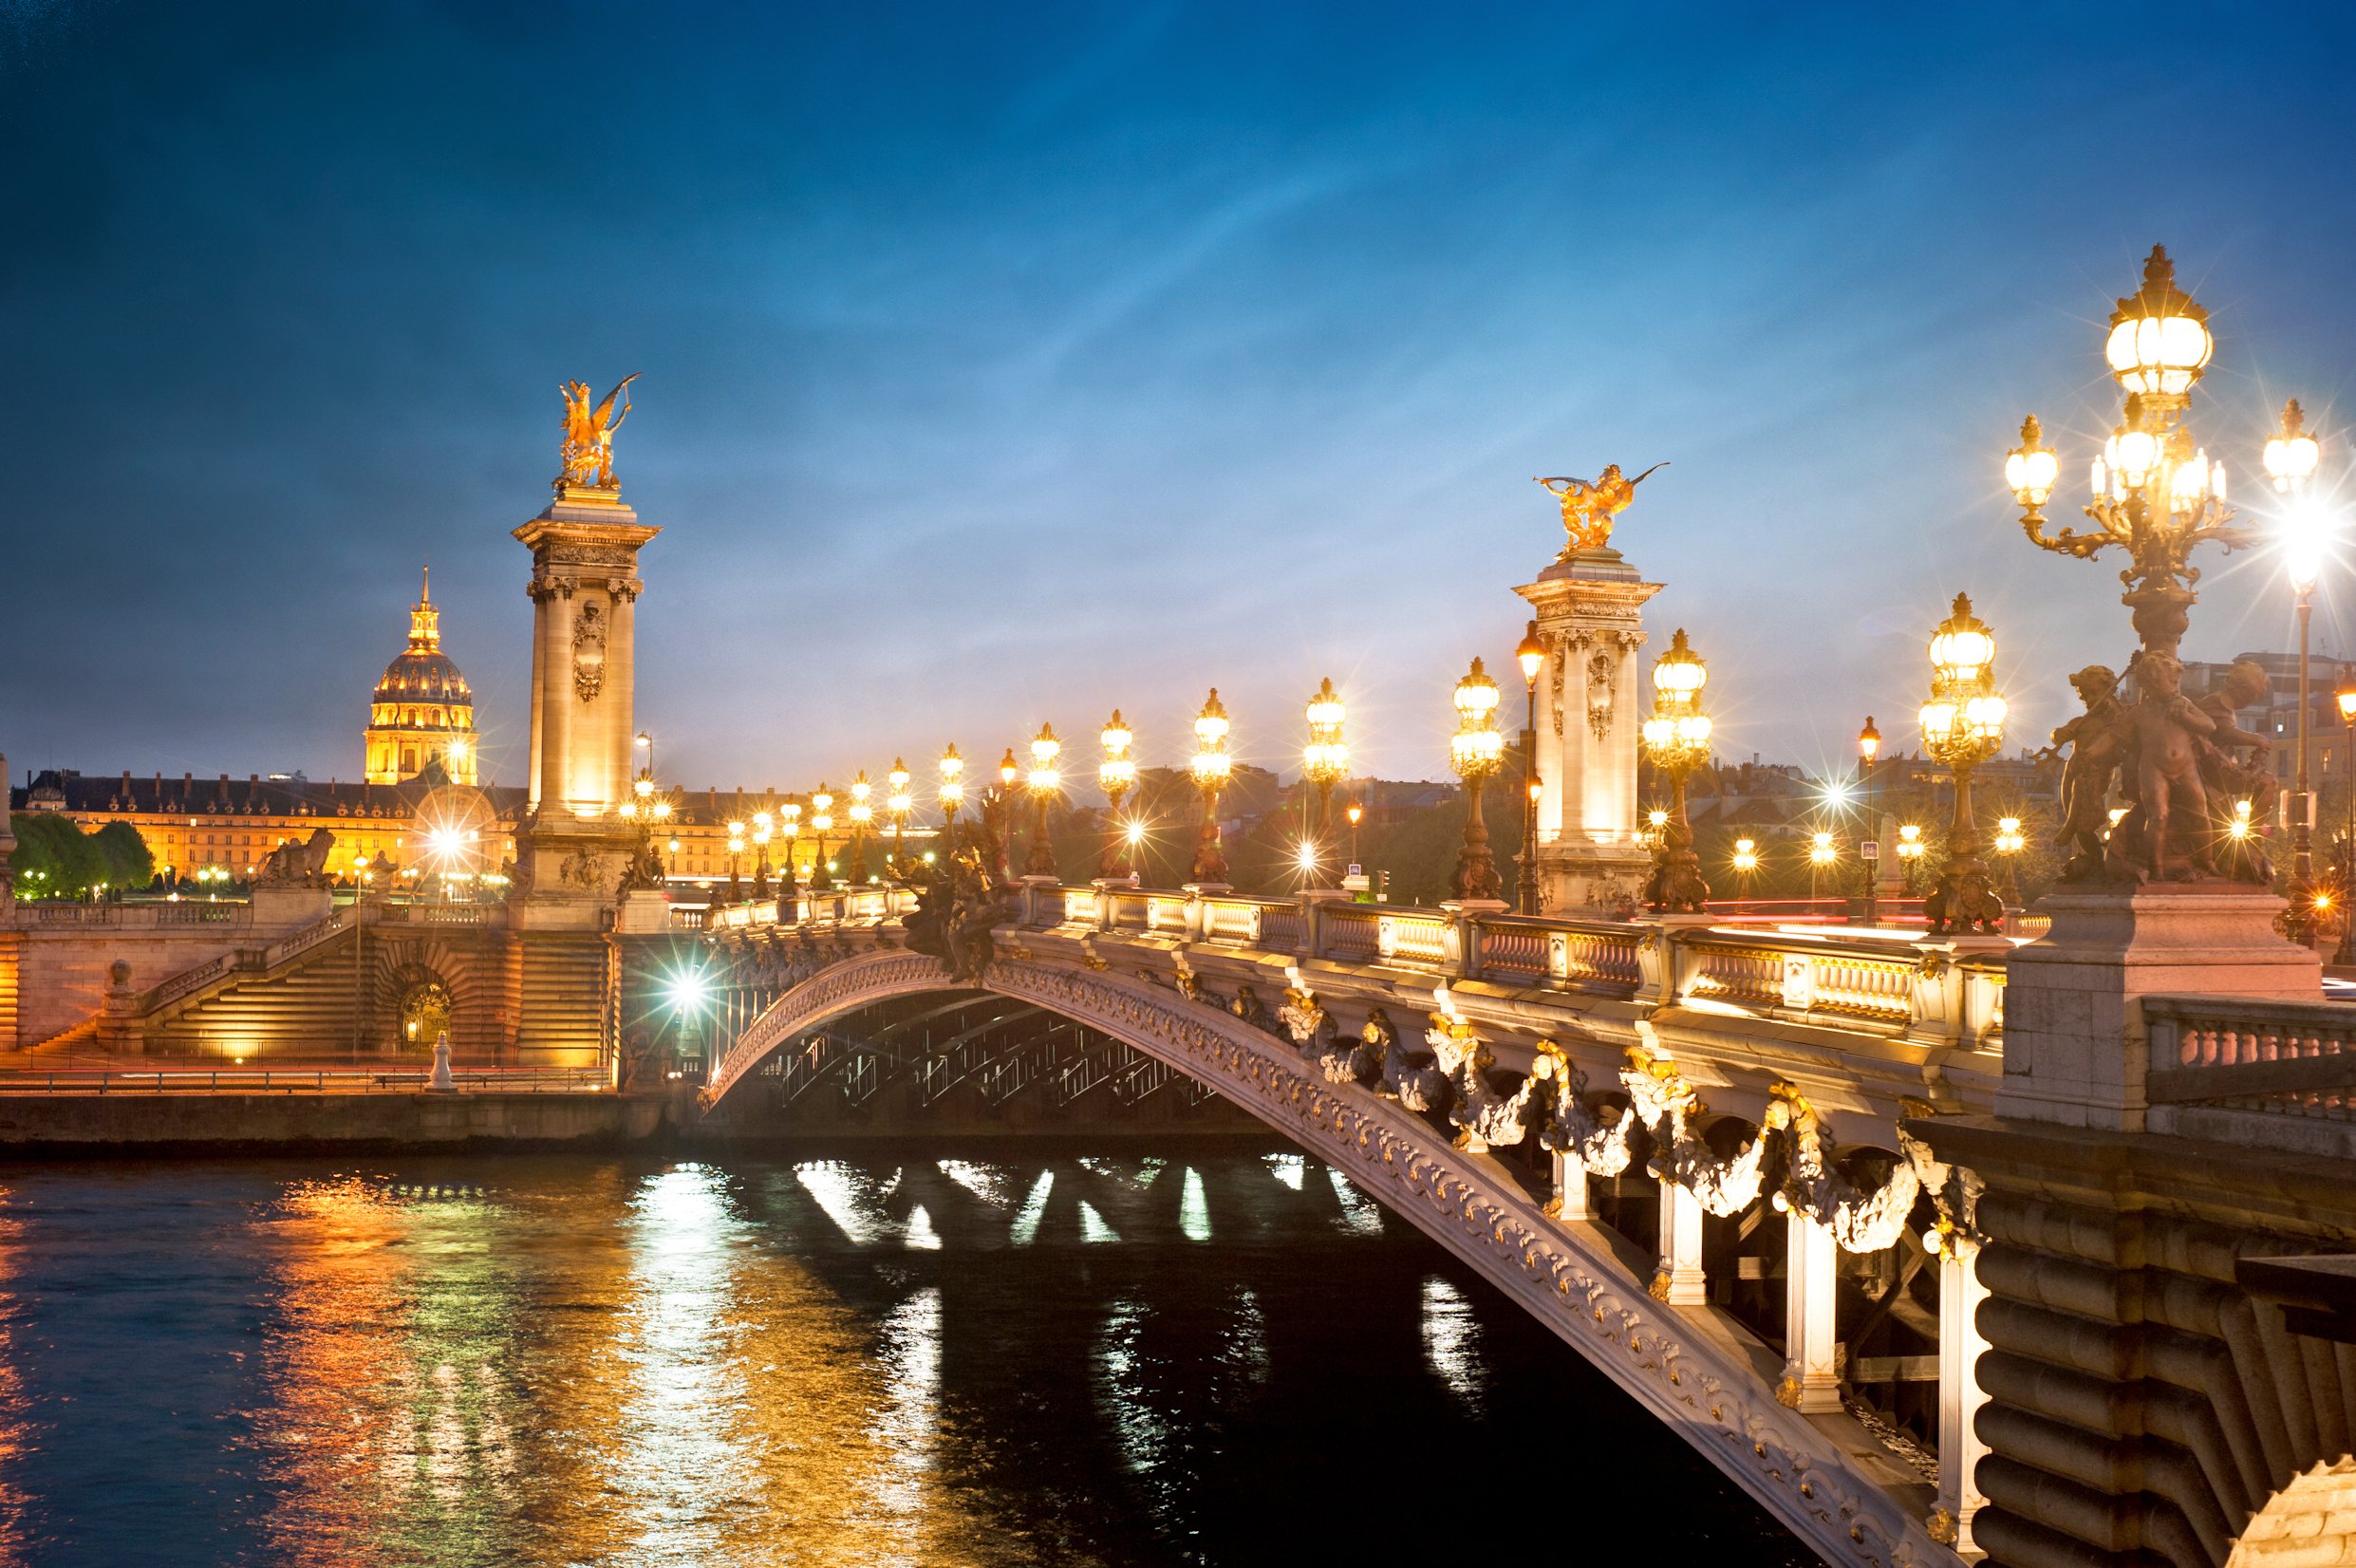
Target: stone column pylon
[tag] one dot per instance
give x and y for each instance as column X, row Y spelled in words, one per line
column 584, row 587
column 1811, row 1383
column 1590, row 611
column 1960, row 1449
column 1680, row 1281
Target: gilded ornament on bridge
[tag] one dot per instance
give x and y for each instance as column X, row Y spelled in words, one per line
column 1590, row 506
column 588, row 452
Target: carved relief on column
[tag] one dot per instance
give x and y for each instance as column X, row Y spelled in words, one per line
column 589, row 652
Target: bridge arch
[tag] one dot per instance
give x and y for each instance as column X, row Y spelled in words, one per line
column 1564, row 1276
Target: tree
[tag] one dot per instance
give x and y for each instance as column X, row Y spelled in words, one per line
column 56, row 859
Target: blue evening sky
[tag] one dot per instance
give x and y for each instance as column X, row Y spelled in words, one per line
column 1003, row 364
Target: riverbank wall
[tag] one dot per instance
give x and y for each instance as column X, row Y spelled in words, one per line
column 118, row 1125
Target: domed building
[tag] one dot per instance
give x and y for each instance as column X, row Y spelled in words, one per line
column 423, row 712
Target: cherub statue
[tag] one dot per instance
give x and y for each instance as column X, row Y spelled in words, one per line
column 1590, row 507
column 2169, row 730
column 2097, row 739
column 589, row 433
column 2227, row 776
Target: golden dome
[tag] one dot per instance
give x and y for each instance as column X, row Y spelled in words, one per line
column 422, row 711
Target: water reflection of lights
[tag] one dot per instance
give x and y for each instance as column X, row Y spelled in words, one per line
column 830, row 1183
column 1361, row 1215
column 1288, row 1168
column 1092, row 1228
column 1452, row 1339
column 1034, row 1209
column 1193, row 1211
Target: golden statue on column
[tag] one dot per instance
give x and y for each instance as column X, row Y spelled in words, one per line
column 1589, row 507
column 588, row 436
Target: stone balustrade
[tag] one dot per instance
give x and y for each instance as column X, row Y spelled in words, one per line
column 2278, row 1074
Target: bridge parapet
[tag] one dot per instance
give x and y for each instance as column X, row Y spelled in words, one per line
column 2253, row 1071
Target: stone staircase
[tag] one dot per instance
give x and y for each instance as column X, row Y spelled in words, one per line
column 310, row 1002
column 563, row 989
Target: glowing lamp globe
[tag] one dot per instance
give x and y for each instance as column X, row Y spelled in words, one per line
column 2158, row 337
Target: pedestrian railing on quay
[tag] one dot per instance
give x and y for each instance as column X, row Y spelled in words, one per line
column 289, row 1080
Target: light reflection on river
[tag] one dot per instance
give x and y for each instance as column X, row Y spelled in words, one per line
column 880, row 1360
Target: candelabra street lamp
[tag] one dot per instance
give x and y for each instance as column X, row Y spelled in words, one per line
column 1044, row 781
column 2157, row 495
column 761, row 825
column 648, row 807
column 1868, row 748
column 1531, row 655
column 951, row 796
column 2346, row 699
column 821, row 823
column 1821, row 857
column 1325, row 760
column 897, row 805
column 736, row 850
column 2011, row 841
column 862, row 813
column 1209, row 767
column 790, row 824
column 1909, row 854
column 2290, row 460
column 1962, row 727
column 1115, row 774
column 1474, row 750
column 1677, row 739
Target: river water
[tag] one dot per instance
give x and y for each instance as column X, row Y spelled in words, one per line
column 1215, row 1357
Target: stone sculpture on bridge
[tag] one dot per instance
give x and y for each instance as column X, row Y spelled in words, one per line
column 299, row 863
column 588, row 451
column 1590, row 507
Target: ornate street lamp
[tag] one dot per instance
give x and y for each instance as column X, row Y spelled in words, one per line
column 1209, row 767
column 2290, row 459
column 862, row 813
column 736, row 849
column 1474, row 750
column 821, row 823
column 2157, row 495
column 898, row 803
column 1044, row 781
column 648, row 807
column 1963, row 726
column 1821, row 857
column 1115, row 775
column 1868, row 748
column 2011, row 841
column 790, row 824
column 1677, row 739
column 2346, row 699
column 1355, row 813
column 761, row 823
column 1531, row 655
column 951, row 795
column 1325, row 760
column 1909, row 853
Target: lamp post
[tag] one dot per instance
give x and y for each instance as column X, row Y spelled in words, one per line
column 1746, row 862
column 790, row 824
column 2290, row 460
column 1821, row 858
column 1531, row 655
column 1963, row 726
column 821, row 823
column 1356, row 812
column 2009, row 842
column 1869, row 747
column 1677, row 739
column 736, row 850
column 1325, row 760
column 897, row 805
column 1115, row 775
column 2157, row 495
column 1044, row 781
column 647, row 739
column 1474, row 750
column 2346, row 697
column 761, row 823
column 1209, row 767
column 951, row 795
column 1909, row 853
column 861, row 813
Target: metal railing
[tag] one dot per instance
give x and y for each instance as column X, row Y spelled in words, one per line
column 328, row 1080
